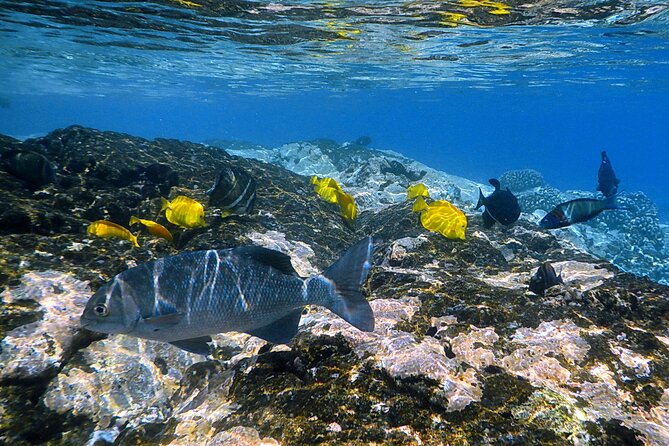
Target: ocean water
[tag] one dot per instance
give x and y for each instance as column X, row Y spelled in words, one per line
column 471, row 88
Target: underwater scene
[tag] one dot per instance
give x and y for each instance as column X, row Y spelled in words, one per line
column 334, row 223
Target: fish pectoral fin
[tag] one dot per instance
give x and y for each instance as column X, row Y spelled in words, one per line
column 280, row 331
column 199, row 346
column 163, row 321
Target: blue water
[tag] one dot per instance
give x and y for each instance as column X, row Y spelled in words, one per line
column 474, row 101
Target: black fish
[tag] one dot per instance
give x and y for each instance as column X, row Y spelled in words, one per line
column 607, row 181
column 31, row 167
column 576, row 211
column 544, row 278
column 501, row 206
column 234, row 191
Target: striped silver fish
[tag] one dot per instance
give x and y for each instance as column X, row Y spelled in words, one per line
column 185, row 298
column 234, row 191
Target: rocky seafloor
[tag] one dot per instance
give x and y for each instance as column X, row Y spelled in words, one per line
column 462, row 353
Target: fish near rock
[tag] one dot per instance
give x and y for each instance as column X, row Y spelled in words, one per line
column 154, row 228
column 417, row 190
column 607, row 182
column 544, row 278
column 328, row 189
column 184, row 212
column 234, row 192
column 576, row 211
column 31, row 167
column 184, row 299
column 500, row 207
column 104, row 228
column 442, row 217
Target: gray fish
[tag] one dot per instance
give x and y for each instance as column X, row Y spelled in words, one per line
column 234, row 191
column 185, row 298
column 576, row 211
column 31, row 167
column 544, row 278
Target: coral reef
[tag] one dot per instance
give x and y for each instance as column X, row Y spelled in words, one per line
column 521, row 180
column 462, row 354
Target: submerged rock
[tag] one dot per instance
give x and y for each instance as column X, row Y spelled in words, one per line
column 462, row 353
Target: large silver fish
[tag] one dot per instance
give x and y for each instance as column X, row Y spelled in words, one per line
column 185, row 298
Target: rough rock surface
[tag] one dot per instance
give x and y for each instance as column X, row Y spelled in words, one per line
column 462, row 354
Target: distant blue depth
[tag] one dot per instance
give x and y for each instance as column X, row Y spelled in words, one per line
column 477, row 134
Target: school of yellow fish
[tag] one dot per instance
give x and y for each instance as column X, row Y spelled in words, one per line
column 437, row 216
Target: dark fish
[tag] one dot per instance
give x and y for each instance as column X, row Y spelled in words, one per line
column 544, row 278
column 363, row 141
column 501, row 206
column 234, row 191
column 576, row 211
column 185, row 298
column 31, row 167
column 607, row 181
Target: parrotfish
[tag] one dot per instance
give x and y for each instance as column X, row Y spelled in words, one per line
column 417, row 190
column 184, row 212
column 184, row 299
column 500, row 207
column 606, row 178
column 104, row 228
column 576, row 211
column 442, row 217
column 155, row 229
column 544, row 278
column 234, row 192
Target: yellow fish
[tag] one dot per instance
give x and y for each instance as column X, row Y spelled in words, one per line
column 417, row 190
column 442, row 217
column 347, row 204
column 155, row 229
column 104, row 228
column 184, row 212
column 326, row 188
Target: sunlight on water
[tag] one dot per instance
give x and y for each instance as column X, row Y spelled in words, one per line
column 98, row 47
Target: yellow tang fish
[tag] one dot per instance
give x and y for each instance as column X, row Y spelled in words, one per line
column 417, row 190
column 155, row 229
column 184, row 212
column 104, row 228
column 326, row 188
column 347, row 204
column 442, row 217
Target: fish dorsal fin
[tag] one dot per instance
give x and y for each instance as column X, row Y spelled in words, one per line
column 495, row 183
column 266, row 256
column 280, row 331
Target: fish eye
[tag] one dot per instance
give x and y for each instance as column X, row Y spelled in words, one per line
column 101, row 310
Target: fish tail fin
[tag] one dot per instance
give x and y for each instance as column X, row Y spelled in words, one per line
column 347, row 275
column 164, row 203
column 481, row 199
column 133, row 220
column 611, row 203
